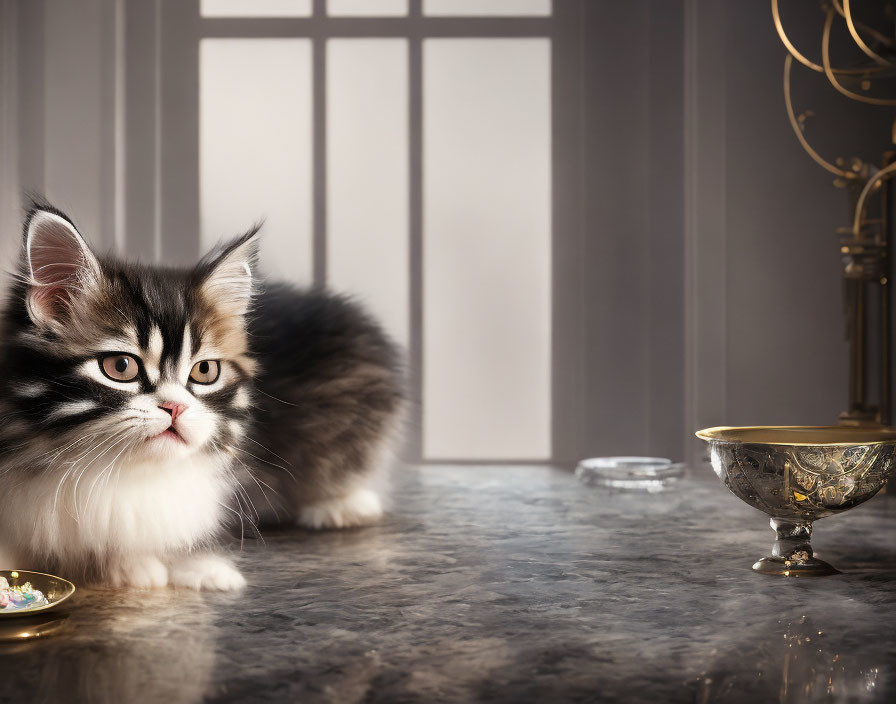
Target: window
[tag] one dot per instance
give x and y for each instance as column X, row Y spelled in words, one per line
column 400, row 150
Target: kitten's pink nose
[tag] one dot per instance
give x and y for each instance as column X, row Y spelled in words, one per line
column 175, row 409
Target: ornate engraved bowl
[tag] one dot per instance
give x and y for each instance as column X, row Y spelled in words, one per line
column 798, row 474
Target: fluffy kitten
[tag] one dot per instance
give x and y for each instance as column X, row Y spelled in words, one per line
column 143, row 406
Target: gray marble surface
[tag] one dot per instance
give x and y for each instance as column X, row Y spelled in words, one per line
column 501, row 584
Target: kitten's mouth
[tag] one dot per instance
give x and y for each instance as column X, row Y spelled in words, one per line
column 169, row 434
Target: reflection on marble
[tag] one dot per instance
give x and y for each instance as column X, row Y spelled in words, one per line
column 804, row 665
column 118, row 647
column 500, row 584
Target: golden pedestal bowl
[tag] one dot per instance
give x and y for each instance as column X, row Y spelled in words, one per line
column 798, row 474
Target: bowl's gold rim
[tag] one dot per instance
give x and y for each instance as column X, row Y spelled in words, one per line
column 707, row 435
column 28, row 612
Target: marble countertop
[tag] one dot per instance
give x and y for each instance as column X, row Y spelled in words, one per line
column 501, row 584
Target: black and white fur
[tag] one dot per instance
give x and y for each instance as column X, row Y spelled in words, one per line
column 100, row 480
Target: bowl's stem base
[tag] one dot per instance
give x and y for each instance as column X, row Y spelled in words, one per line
column 792, row 554
column 813, row 567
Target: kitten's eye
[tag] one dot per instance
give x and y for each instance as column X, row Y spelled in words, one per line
column 205, row 372
column 120, row 367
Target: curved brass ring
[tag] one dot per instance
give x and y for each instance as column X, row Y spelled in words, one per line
column 794, row 52
column 863, row 196
column 788, row 63
column 828, row 71
column 847, row 15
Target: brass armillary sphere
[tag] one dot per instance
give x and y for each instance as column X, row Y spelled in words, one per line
column 864, row 241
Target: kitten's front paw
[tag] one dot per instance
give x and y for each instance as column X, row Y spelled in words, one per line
column 360, row 508
column 206, row 572
column 141, row 573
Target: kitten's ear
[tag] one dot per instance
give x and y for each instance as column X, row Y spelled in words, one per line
column 228, row 275
column 59, row 266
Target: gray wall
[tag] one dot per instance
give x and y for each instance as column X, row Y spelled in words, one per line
column 66, row 126
column 9, row 138
column 633, row 228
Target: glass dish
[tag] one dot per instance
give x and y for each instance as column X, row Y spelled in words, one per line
column 648, row 474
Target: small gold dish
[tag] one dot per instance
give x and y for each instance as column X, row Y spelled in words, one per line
column 55, row 589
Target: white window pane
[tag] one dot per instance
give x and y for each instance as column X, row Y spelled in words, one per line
column 487, row 249
column 493, row 8
column 255, row 147
column 367, row 175
column 255, row 8
column 367, row 8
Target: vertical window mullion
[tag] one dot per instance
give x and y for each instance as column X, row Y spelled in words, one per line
column 319, row 142
column 415, row 250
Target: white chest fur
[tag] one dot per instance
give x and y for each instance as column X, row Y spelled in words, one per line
column 153, row 508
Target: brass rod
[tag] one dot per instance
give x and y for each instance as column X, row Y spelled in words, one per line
column 885, row 381
column 885, row 367
column 860, row 345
